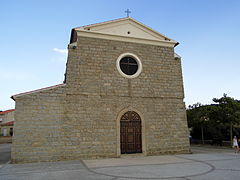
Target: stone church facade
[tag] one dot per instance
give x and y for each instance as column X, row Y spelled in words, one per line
column 122, row 93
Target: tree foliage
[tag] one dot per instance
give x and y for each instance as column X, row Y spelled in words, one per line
column 216, row 120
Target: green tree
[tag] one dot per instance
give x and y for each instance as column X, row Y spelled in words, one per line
column 229, row 112
column 197, row 117
column 215, row 121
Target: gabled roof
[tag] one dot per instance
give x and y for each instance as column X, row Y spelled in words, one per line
column 126, row 28
column 11, row 123
column 7, row 111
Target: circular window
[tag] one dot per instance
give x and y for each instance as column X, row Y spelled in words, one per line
column 129, row 65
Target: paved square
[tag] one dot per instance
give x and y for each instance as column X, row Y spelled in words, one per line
column 205, row 163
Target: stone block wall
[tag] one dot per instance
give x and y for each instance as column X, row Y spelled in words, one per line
column 38, row 134
column 91, row 69
column 97, row 93
column 81, row 119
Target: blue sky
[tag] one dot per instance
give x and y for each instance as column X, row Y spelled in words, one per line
column 34, row 36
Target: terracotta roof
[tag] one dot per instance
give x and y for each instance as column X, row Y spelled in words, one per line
column 8, row 123
column 37, row 90
column 7, row 111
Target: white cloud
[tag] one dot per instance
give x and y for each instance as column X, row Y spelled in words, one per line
column 60, row 55
column 61, row 51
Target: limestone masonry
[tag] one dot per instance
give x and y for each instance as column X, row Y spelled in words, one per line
column 82, row 118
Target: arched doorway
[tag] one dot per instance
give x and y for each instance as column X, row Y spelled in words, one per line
column 130, row 133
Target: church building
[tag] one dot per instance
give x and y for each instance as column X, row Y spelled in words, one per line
column 122, row 94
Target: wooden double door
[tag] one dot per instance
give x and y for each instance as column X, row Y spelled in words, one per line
column 130, row 133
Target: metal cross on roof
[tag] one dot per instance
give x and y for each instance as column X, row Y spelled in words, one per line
column 128, row 12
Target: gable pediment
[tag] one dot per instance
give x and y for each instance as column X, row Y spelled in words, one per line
column 127, row 28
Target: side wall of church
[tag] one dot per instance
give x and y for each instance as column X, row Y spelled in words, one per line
column 97, row 93
column 38, row 132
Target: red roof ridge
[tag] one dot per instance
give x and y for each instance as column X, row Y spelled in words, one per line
column 37, row 90
column 7, row 111
column 10, row 123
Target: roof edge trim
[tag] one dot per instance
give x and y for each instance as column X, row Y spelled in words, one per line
column 6, row 111
column 123, row 38
column 37, row 90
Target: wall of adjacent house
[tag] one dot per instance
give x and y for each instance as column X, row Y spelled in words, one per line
column 5, row 130
column 8, row 117
column 5, row 118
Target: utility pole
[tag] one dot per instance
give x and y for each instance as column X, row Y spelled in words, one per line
column 202, row 136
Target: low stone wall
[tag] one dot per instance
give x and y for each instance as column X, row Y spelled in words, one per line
column 7, row 139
